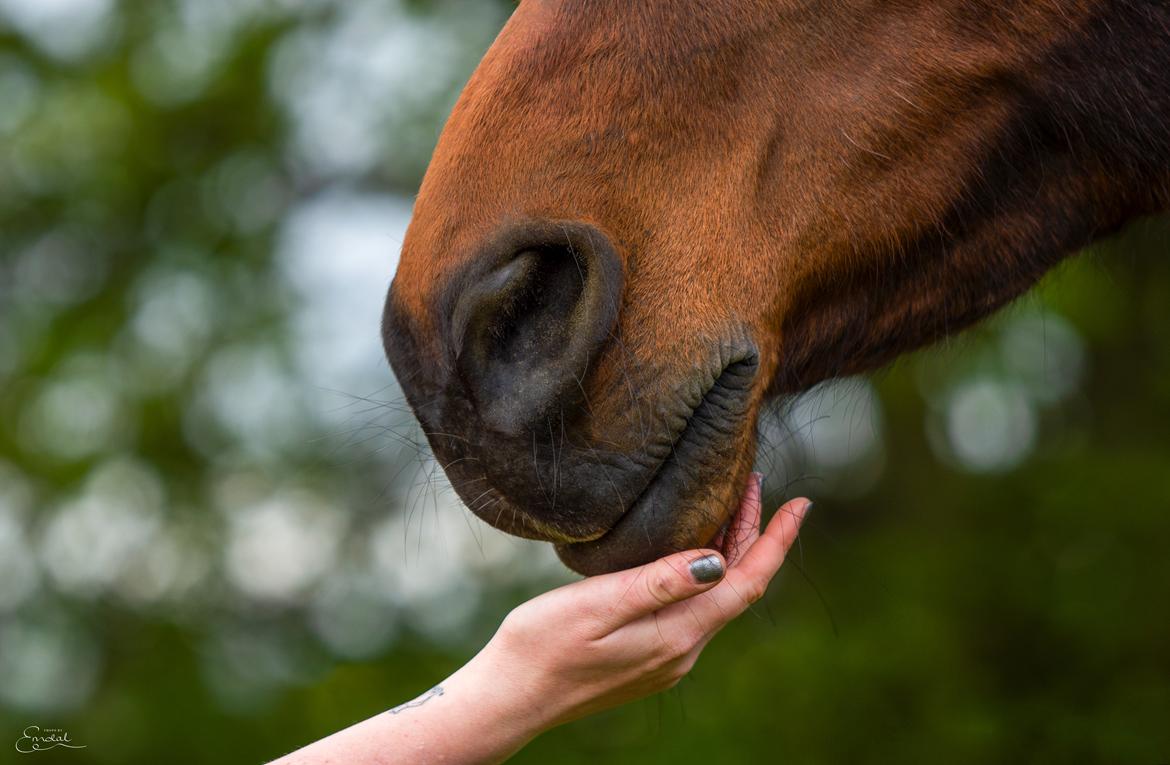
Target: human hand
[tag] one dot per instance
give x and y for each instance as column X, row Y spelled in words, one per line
column 579, row 649
column 611, row 639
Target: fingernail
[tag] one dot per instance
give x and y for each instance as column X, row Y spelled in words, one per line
column 759, row 481
column 804, row 513
column 707, row 569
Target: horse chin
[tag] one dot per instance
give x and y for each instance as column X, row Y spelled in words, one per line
column 658, row 524
column 695, row 490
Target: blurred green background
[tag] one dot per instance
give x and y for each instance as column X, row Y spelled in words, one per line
column 220, row 537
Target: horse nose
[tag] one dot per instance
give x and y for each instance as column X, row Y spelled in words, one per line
column 529, row 321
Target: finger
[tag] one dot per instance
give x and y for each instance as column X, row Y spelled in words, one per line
column 748, row 581
column 628, row 595
column 744, row 529
column 763, row 560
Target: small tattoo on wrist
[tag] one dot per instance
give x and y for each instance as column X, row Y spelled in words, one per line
column 433, row 692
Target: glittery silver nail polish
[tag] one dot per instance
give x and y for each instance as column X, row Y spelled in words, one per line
column 707, row 569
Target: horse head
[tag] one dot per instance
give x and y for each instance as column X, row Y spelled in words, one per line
column 644, row 220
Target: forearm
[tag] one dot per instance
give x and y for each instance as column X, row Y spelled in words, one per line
column 478, row 715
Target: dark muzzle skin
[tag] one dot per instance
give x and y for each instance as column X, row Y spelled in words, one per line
column 504, row 402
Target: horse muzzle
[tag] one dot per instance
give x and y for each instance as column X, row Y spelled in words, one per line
column 502, row 386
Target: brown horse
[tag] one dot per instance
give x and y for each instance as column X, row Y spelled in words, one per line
column 645, row 219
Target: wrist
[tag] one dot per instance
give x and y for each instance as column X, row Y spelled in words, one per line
column 502, row 701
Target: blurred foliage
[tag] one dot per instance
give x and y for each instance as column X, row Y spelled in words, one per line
column 207, row 553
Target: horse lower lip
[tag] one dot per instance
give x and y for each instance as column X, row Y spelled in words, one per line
column 644, row 496
column 703, row 451
column 612, row 550
column 648, row 529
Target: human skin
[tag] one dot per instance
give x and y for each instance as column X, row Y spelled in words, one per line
column 577, row 650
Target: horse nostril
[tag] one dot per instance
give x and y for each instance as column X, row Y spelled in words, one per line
column 524, row 333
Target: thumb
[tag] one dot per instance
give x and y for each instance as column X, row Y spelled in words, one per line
column 636, row 592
